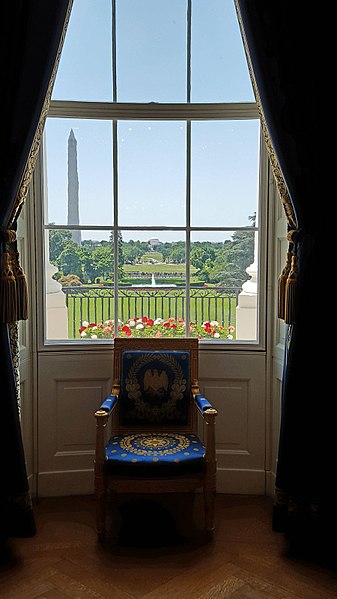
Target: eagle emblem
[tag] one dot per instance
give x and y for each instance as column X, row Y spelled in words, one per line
column 155, row 383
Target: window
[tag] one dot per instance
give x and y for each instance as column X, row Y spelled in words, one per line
column 152, row 175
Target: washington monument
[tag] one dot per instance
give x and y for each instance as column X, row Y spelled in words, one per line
column 73, row 188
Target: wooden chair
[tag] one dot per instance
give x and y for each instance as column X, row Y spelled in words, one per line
column 153, row 445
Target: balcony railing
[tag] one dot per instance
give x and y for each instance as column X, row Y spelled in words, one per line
column 96, row 304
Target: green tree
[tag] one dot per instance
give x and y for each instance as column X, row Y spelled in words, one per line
column 232, row 260
column 102, row 261
column 70, row 260
column 178, row 253
column 58, row 239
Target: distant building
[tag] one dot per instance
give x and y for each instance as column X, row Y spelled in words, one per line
column 154, row 242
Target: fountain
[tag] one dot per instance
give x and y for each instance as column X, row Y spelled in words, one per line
column 154, row 284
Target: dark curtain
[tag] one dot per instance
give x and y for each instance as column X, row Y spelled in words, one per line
column 286, row 59
column 31, row 31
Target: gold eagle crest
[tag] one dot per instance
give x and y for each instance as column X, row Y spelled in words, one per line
column 155, row 383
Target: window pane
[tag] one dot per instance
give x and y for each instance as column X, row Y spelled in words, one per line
column 152, row 158
column 85, row 71
column 152, row 293
column 79, row 282
column 223, row 285
column 79, row 172
column 219, row 67
column 224, row 179
column 151, row 50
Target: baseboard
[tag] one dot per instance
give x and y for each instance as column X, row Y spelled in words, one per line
column 81, row 482
column 63, row 483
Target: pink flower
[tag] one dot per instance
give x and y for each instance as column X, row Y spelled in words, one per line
column 107, row 330
column 158, row 334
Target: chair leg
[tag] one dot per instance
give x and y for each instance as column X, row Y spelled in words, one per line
column 100, row 516
column 209, row 500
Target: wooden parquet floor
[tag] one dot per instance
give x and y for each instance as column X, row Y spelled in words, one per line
column 158, row 551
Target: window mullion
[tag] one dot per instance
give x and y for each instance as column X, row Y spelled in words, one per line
column 115, row 225
column 188, row 224
column 114, row 53
column 189, row 34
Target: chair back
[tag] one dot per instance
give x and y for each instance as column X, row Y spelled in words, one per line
column 155, row 377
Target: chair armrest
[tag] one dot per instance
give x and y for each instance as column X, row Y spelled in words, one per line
column 203, row 404
column 108, row 405
column 102, row 416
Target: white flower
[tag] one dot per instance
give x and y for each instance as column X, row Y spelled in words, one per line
column 94, row 336
column 158, row 321
column 139, row 326
column 94, row 328
column 138, row 320
column 216, row 335
column 132, row 323
column 229, row 336
column 214, row 323
column 83, row 334
column 85, row 324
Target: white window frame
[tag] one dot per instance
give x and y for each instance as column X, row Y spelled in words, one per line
column 165, row 112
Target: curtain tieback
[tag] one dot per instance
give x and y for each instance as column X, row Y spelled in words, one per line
column 287, row 281
column 7, row 235
column 13, row 284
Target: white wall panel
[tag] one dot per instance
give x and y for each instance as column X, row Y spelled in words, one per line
column 71, row 387
column 235, row 383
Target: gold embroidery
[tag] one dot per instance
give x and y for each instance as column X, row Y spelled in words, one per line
column 158, row 445
column 143, row 409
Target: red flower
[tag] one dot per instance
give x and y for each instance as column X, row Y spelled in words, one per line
column 126, row 330
column 81, row 329
column 166, row 325
column 92, row 325
column 150, row 322
column 173, row 325
column 144, row 319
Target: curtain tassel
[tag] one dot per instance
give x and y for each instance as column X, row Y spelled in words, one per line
column 21, row 289
column 282, row 282
column 290, row 297
column 8, row 301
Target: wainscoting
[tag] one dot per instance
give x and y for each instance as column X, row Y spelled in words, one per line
column 71, row 386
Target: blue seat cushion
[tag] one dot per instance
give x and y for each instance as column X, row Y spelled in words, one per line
column 154, row 455
column 154, row 388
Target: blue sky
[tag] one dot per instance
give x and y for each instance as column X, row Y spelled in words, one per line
column 151, row 66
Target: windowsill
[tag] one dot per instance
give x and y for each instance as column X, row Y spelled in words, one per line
column 99, row 345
